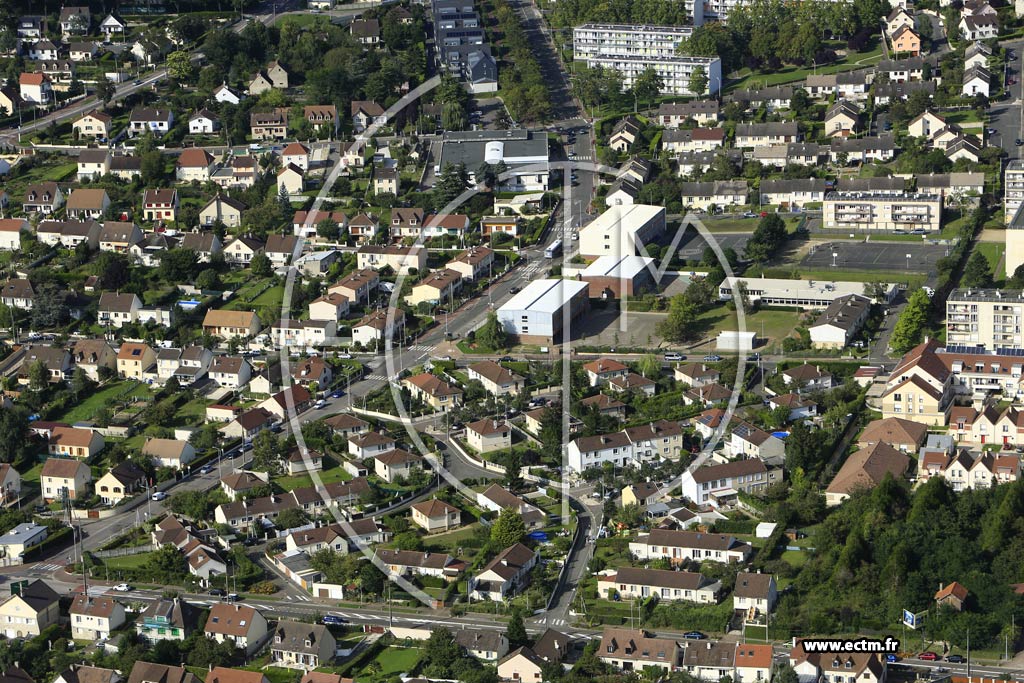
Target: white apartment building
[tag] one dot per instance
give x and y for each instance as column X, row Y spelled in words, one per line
column 632, row 49
column 985, row 317
column 1013, row 197
column 877, row 212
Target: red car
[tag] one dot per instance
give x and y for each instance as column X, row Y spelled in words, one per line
column 928, row 656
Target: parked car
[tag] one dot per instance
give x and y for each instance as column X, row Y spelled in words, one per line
column 205, row 469
column 891, row 658
column 712, row 358
column 956, row 659
column 674, row 355
column 505, row 359
column 928, row 656
column 320, row 404
column 694, row 635
column 159, row 495
column 333, row 619
column 122, row 588
column 338, row 394
column 514, row 290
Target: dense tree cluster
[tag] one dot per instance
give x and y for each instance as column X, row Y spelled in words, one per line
column 887, row 550
column 522, row 81
column 768, row 33
column 658, row 12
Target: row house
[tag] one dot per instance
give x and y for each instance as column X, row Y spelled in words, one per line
column 677, row 546
column 963, row 471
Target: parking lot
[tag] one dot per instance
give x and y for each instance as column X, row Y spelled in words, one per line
column 692, row 246
column 882, row 256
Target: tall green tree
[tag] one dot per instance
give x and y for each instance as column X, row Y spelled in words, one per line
column 508, row 529
column 910, row 328
column 977, row 272
column 698, row 84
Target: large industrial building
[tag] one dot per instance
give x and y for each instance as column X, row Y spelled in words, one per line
column 621, row 230
column 539, row 313
column 865, row 211
column 632, row 49
column 523, row 153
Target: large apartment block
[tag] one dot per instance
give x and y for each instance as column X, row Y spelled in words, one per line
column 985, row 317
column 1013, row 188
column 462, row 47
column 1013, row 198
column 906, row 212
column 632, row 49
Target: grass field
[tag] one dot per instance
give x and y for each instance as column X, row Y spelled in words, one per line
column 88, row 408
column 390, row 662
column 795, row 558
column 791, row 74
column 331, row 474
column 776, row 324
column 993, row 252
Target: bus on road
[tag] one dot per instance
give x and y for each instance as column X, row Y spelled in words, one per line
column 554, row 249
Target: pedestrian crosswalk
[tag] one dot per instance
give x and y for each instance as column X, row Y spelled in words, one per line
column 299, row 598
column 376, row 378
column 47, row 567
column 421, row 347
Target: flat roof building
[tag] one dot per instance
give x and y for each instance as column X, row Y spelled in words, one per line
column 632, row 49
column 810, row 294
column 985, row 317
column 525, row 155
column 539, row 313
column 620, row 230
column 905, row 212
column 609, row 277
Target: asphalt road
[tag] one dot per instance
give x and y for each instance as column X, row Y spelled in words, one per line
column 1005, row 115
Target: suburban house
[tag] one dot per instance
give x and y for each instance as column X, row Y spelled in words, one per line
column 635, row 650
column 866, row 469
column 95, row 617
column 487, row 435
column 303, row 646
column 30, row 609
column 436, row 515
column 677, row 546
column 755, row 594
column 169, row 452
column 75, row 442
column 396, row 463
column 496, row 379
column 242, row 625
column 629, row 583
column 156, row 121
column 61, row 477
column 504, row 576
column 120, row 482
column 433, row 391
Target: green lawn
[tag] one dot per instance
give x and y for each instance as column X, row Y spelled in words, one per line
column 450, row 542
column 61, row 172
column 993, row 252
column 792, row 74
column 88, row 408
column 128, row 561
column 331, row 474
column 390, row 662
column 777, row 324
column 33, row 474
column 795, row 558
